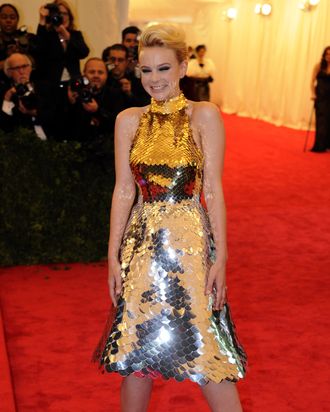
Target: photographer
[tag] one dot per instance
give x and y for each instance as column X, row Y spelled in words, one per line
column 123, row 80
column 12, row 38
column 24, row 104
column 130, row 39
column 59, row 50
column 94, row 106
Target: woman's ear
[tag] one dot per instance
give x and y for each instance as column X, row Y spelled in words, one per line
column 183, row 68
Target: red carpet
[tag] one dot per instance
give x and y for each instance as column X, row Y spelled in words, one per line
column 278, row 201
column 6, row 387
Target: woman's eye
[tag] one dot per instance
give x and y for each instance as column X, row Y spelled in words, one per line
column 162, row 69
column 145, row 70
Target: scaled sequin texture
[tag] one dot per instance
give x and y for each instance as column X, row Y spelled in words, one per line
column 164, row 325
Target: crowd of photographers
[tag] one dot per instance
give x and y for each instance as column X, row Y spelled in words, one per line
column 42, row 87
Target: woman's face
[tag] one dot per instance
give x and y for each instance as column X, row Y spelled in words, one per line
column 8, row 20
column 65, row 15
column 161, row 72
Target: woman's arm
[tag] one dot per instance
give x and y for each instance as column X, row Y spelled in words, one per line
column 123, row 195
column 313, row 81
column 213, row 145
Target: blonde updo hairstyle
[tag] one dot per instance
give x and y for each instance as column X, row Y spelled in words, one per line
column 165, row 35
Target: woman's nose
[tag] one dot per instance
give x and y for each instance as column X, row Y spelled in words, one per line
column 154, row 75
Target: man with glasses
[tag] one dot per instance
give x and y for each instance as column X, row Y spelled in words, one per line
column 130, row 39
column 119, row 77
column 24, row 104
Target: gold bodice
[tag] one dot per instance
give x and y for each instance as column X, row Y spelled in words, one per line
column 164, row 158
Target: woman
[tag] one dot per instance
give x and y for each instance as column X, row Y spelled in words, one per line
column 60, row 49
column 60, row 46
column 321, row 94
column 166, row 269
column 13, row 39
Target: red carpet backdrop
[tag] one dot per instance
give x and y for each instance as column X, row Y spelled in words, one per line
column 278, row 201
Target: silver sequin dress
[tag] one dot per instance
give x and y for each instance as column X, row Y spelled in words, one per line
column 164, row 325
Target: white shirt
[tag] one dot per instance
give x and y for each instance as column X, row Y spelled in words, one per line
column 195, row 70
column 7, row 107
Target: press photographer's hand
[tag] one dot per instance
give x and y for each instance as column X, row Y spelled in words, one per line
column 91, row 106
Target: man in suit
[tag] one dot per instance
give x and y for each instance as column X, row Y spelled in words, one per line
column 122, row 79
column 94, row 106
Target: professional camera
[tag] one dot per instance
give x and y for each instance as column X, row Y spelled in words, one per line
column 82, row 86
column 54, row 17
column 26, row 95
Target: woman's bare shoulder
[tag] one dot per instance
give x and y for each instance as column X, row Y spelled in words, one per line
column 132, row 113
column 129, row 119
column 204, row 111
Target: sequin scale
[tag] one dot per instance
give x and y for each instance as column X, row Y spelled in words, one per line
column 164, row 325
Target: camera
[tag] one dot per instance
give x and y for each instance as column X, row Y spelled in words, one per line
column 54, row 17
column 17, row 42
column 26, row 95
column 82, row 86
column 133, row 53
column 110, row 66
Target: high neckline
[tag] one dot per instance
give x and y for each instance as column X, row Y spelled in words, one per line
column 172, row 105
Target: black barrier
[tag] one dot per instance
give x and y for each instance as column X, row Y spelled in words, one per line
column 54, row 199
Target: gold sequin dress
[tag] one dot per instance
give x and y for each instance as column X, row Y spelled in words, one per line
column 164, row 324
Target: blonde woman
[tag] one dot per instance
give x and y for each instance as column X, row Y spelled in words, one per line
column 167, row 255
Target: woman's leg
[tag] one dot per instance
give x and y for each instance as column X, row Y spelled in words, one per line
column 135, row 394
column 222, row 397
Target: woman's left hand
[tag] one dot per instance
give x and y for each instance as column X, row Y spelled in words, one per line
column 63, row 32
column 216, row 284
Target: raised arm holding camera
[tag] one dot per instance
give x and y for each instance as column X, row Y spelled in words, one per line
column 60, row 46
column 122, row 79
column 60, row 49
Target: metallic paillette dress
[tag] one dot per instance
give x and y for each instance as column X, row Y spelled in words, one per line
column 164, row 324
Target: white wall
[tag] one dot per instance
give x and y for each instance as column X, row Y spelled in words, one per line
column 265, row 63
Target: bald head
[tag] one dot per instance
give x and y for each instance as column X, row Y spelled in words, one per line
column 96, row 72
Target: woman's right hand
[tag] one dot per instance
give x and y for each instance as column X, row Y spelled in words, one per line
column 43, row 13
column 114, row 281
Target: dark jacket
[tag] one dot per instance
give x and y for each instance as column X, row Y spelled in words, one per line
column 86, row 126
column 40, row 100
column 17, row 42
column 138, row 97
column 52, row 58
